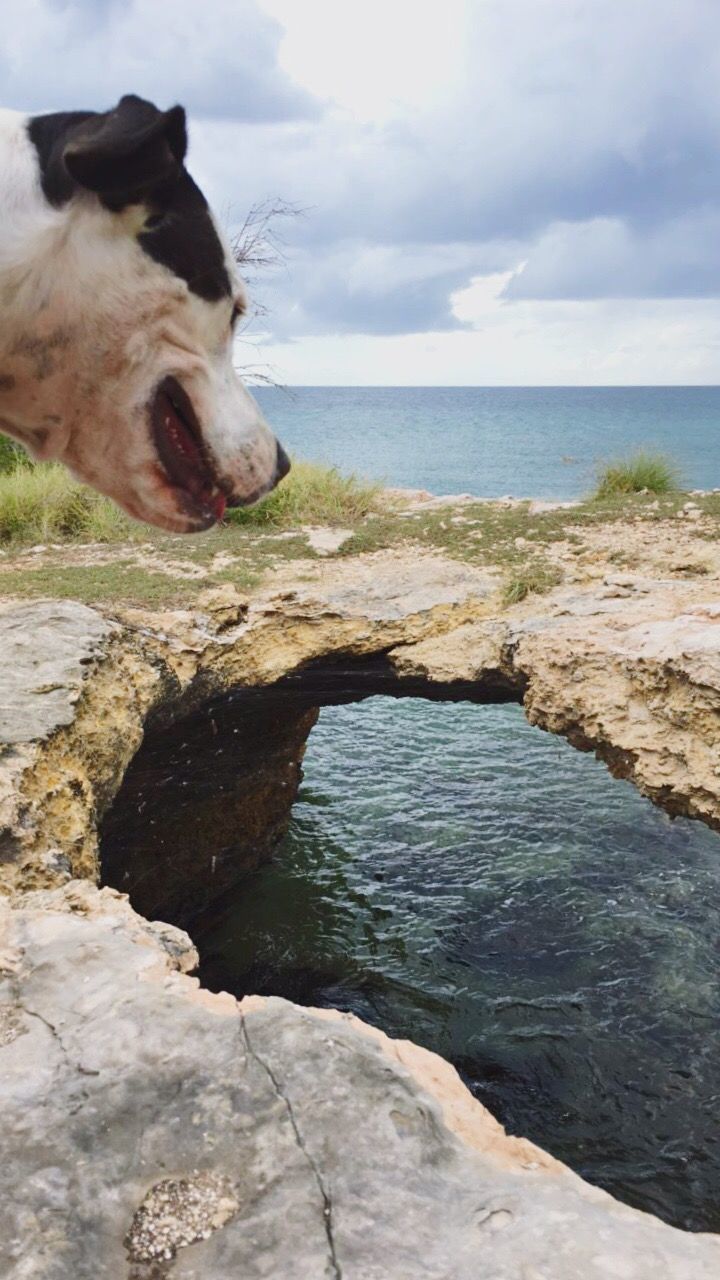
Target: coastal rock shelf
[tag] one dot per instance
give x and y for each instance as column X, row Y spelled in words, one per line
column 629, row 668
column 151, row 1129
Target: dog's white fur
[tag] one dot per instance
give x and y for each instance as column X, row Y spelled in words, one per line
column 89, row 325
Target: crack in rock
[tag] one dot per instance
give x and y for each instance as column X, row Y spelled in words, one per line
column 69, row 1062
column 327, row 1211
column 493, row 1219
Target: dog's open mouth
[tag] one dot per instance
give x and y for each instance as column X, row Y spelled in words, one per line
column 183, row 453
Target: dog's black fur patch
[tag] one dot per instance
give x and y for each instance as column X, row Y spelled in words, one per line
column 134, row 155
column 185, row 239
column 49, row 135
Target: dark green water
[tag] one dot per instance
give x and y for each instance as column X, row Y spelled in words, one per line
column 459, row 878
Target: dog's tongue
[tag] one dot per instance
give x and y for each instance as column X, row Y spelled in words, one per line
column 218, row 505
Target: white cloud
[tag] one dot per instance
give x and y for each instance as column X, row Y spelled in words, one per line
column 606, row 342
column 375, row 59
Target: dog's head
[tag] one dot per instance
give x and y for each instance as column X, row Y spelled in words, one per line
column 123, row 357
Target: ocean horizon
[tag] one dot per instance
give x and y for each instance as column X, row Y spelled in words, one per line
column 544, row 442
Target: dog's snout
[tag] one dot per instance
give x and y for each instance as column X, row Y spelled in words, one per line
column 282, row 464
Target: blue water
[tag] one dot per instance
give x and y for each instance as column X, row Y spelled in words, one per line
column 460, row 878
column 527, row 441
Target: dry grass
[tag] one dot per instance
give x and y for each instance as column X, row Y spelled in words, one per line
column 534, row 578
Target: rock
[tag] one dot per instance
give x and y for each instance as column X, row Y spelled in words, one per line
column 204, row 803
column 537, row 507
column 81, row 690
column 226, row 605
column 633, row 675
column 47, row 649
column 151, row 1129
column 325, row 542
column 156, row 1132
column 423, row 500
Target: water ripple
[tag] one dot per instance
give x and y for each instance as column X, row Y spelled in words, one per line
column 460, row 878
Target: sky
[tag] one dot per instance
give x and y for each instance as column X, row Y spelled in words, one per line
column 487, row 192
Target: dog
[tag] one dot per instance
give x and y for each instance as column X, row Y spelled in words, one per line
column 118, row 302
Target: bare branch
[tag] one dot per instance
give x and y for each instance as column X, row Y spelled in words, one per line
column 258, row 244
column 258, row 247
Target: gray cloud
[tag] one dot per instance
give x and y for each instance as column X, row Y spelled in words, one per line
column 582, row 139
column 607, row 258
column 577, row 137
column 378, row 289
column 217, row 57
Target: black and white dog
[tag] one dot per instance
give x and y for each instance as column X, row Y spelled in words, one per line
column 118, row 299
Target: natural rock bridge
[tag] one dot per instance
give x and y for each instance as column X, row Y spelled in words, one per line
column 153, row 1129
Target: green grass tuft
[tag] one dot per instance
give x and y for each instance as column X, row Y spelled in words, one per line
column 312, row 494
column 651, row 472
column 532, row 579
column 12, row 456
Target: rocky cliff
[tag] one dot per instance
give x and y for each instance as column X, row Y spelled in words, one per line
column 151, row 1129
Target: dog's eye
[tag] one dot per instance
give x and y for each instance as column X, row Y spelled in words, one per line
column 237, row 311
column 153, row 222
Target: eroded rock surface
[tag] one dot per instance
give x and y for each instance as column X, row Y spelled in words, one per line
column 139, row 669
column 626, row 665
column 203, row 803
column 629, row 669
column 151, row 1129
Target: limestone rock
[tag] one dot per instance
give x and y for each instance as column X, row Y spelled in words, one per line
column 151, row 1129
column 46, row 651
column 632, row 673
column 79, row 687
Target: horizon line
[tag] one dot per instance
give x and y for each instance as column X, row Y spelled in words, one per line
column 485, row 386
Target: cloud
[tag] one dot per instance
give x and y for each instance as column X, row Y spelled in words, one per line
column 603, row 342
column 575, row 138
column 581, row 139
column 609, row 258
column 557, row 112
column 217, row 57
column 371, row 289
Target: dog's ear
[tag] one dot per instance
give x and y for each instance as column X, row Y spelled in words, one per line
column 125, row 153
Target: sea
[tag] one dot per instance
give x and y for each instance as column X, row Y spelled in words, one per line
column 540, row 442
column 458, row 877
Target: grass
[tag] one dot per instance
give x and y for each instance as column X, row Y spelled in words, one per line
column 45, row 504
column 534, row 578
column 12, row 456
column 527, row 551
column 641, row 473
column 312, row 494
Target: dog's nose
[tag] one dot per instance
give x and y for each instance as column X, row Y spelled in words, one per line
column 282, row 464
